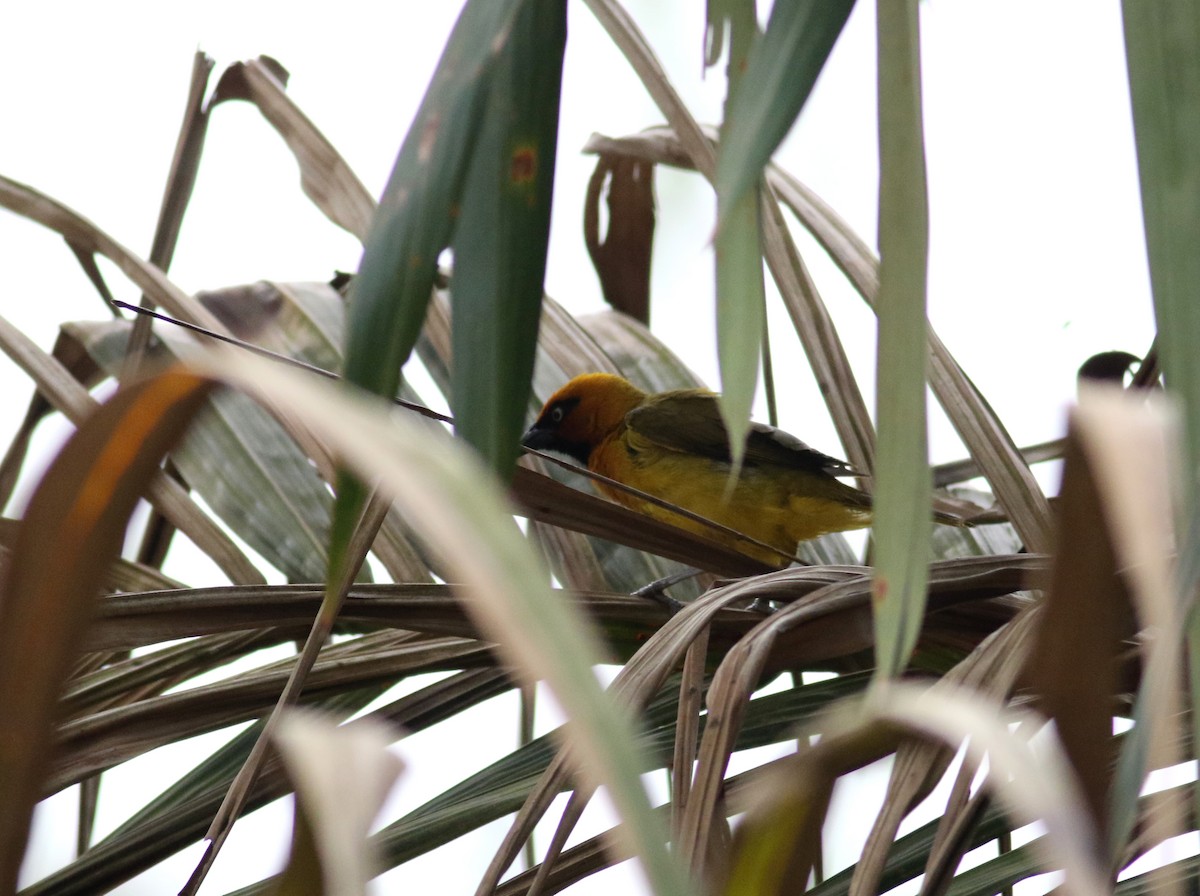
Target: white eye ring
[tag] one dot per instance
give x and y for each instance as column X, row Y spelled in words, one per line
column 556, row 415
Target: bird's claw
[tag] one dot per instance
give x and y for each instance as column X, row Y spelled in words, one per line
column 656, row 590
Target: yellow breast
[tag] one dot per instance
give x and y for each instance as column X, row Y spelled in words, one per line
column 774, row 505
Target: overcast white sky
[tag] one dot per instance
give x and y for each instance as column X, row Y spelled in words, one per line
column 1036, row 252
column 1036, row 262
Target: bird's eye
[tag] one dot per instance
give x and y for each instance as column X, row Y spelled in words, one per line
column 557, row 414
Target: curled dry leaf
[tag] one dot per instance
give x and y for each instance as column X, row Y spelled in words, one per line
column 622, row 255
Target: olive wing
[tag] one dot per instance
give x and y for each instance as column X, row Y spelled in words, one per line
column 690, row 421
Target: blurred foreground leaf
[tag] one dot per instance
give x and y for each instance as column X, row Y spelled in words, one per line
column 74, row 526
column 342, row 774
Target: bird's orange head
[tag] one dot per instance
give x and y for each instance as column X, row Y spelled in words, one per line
column 580, row 415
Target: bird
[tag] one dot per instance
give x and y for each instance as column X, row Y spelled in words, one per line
column 674, row 445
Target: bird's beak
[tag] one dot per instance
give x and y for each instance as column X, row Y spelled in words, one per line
column 543, row 439
column 534, row 438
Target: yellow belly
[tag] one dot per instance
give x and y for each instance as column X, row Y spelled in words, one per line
column 774, row 505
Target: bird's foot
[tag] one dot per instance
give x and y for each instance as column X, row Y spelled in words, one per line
column 656, row 590
column 761, row 605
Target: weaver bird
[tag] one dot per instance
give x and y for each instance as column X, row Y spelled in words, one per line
column 673, row 445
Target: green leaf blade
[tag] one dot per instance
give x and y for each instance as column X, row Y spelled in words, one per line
column 781, row 71
column 416, row 215
column 741, row 316
column 903, row 480
column 741, row 296
column 502, row 234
